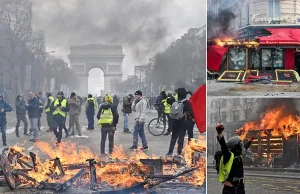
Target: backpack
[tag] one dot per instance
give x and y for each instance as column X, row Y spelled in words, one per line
column 177, row 110
column 217, row 159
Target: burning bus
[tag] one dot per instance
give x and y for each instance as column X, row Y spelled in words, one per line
column 269, row 51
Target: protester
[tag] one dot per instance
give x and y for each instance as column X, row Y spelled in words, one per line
column 32, row 108
column 108, row 119
column 126, row 111
column 41, row 108
column 74, row 112
column 4, row 108
column 48, row 111
column 139, row 106
column 21, row 114
column 90, row 107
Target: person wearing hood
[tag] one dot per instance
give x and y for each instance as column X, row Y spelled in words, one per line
column 108, row 119
column 32, row 108
column 139, row 106
column 21, row 114
column 178, row 124
column 74, row 112
column 90, row 107
column 49, row 112
column 60, row 109
column 231, row 169
column 4, row 108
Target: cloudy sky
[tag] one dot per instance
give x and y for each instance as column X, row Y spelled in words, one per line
column 142, row 27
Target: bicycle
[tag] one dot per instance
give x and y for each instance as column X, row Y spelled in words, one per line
column 156, row 126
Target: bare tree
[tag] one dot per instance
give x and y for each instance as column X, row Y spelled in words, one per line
column 244, row 106
column 218, row 110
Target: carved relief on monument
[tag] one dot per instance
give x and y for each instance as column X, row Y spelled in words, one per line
column 114, row 68
column 78, row 68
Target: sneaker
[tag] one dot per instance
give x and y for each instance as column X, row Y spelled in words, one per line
column 169, row 154
column 127, row 131
column 133, row 148
column 4, row 144
column 144, row 148
column 29, row 134
column 73, row 134
column 34, row 140
column 17, row 134
column 167, row 133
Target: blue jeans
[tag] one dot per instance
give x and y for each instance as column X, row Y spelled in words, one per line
column 139, row 131
column 125, row 121
column 34, row 127
column 90, row 117
column 3, row 131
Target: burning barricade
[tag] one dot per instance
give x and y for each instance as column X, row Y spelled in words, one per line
column 78, row 167
column 276, row 135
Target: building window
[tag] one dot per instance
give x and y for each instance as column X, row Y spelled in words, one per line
column 224, row 116
column 254, row 58
column 274, row 9
column 236, row 102
column 223, row 105
column 272, row 59
column 236, row 115
column 248, row 15
column 237, row 59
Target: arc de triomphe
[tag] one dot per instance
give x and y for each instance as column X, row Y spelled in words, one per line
column 108, row 58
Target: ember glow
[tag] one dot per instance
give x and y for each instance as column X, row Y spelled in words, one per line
column 274, row 121
column 231, row 42
column 119, row 171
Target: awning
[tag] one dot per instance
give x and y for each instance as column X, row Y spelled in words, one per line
column 215, row 54
column 281, row 36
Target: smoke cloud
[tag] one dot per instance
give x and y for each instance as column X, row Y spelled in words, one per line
column 141, row 27
column 222, row 21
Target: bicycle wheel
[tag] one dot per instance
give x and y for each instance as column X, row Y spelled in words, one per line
column 156, row 127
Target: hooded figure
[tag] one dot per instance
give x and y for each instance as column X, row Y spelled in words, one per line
column 179, row 124
column 4, row 108
column 108, row 119
column 21, row 114
column 231, row 170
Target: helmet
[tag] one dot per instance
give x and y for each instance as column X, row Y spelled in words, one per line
column 234, row 143
column 108, row 99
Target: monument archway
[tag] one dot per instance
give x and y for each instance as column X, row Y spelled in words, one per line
column 108, row 58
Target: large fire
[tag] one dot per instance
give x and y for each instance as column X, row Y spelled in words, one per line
column 274, row 121
column 231, row 42
column 120, row 170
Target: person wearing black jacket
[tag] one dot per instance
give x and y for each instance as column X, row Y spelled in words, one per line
column 178, row 126
column 21, row 114
column 234, row 183
column 107, row 110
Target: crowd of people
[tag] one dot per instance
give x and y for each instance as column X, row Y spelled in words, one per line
column 57, row 108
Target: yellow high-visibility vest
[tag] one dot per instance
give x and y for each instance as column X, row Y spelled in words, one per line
column 224, row 170
column 94, row 101
column 167, row 106
column 51, row 100
column 106, row 117
column 58, row 110
column 176, row 97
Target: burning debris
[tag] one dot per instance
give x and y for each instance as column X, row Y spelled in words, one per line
column 81, row 168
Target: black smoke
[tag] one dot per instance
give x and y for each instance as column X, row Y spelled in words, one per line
column 221, row 21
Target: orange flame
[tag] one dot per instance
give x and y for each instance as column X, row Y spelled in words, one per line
column 274, row 121
column 231, row 42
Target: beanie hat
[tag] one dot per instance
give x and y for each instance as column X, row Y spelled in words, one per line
column 138, row 93
column 73, row 94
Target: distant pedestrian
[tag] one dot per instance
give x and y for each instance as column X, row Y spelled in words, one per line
column 74, row 112
column 90, row 107
column 32, row 108
column 48, row 111
column 21, row 114
column 4, row 108
column 116, row 101
column 41, row 109
column 126, row 111
column 139, row 106
column 108, row 119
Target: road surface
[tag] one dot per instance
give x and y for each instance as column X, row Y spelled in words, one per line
column 157, row 145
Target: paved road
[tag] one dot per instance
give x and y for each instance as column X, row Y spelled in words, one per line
column 157, row 145
column 257, row 184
